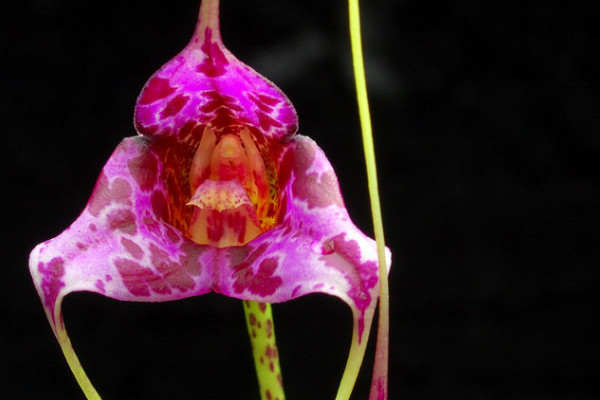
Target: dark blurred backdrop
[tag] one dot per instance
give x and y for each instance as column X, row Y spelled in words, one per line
column 486, row 117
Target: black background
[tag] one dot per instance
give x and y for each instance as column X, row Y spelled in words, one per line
column 486, row 116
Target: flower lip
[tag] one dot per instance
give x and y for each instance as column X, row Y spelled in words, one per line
column 223, row 215
column 229, row 183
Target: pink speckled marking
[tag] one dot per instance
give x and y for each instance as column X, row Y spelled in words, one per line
column 174, row 106
column 123, row 220
column 100, row 286
column 381, row 389
column 158, row 88
column 262, row 283
column 132, row 248
column 51, row 283
column 215, row 62
column 140, row 280
column 172, row 272
column 361, row 280
column 144, row 170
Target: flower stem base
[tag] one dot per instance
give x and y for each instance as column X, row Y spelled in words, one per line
column 259, row 319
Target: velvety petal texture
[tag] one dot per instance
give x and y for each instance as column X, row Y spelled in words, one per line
column 130, row 241
column 122, row 245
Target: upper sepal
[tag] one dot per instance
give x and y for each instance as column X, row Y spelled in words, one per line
column 206, row 85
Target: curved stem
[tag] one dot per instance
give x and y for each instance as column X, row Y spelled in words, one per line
column 355, row 356
column 69, row 353
column 259, row 320
column 380, row 372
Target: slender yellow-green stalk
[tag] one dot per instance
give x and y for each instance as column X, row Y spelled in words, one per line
column 355, row 358
column 67, row 349
column 380, row 372
column 259, row 319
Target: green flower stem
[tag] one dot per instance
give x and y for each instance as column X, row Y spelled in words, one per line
column 67, row 349
column 259, row 319
column 380, row 372
column 355, row 357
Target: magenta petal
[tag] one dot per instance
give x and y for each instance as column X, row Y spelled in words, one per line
column 120, row 245
column 315, row 247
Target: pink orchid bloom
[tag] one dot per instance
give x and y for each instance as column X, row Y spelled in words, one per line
column 216, row 193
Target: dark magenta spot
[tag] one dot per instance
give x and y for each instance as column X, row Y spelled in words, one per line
column 152, row 225
column 144, row 170
column 224, row 117
column 304, row 156
column 174, row 106
column 157, row 88
column 215, row 229
column 382, row 388
column 265, row 121
column 210, row 106
column 185, row 130
column 362, row 277
column 271, row 352
column 191, row 260
column 139, row 280
column 123, row 220
column 100, row 286
column 120, row 191
column 263, row 283
column 159, row 206
column 269, row 328
column 214, row 63
column 172, row 272
column 132, row 248
column 296, row 290
column 237, row 222
column 271, row 101
column 172, row 234
column 51, row 281
column 105, row 193
column 317, row 192
column 261, row 105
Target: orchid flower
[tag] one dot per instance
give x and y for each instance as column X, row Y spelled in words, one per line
column 216, row 193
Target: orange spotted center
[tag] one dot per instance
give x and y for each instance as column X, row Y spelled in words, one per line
column 230, row 191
